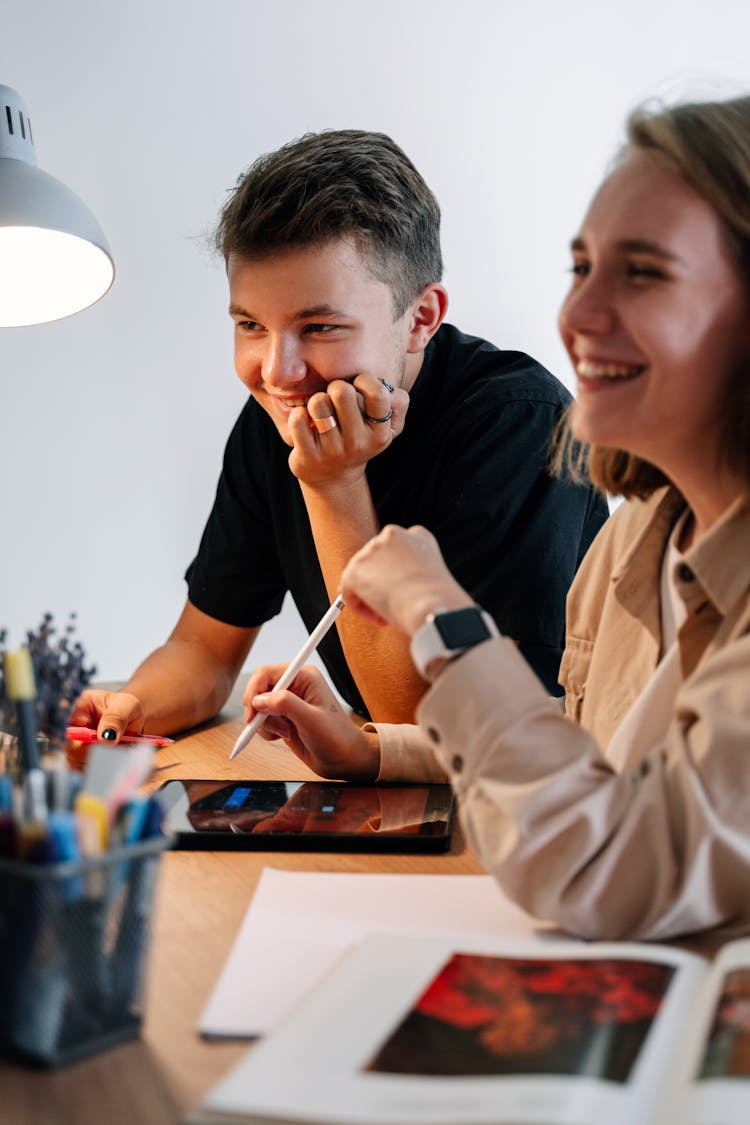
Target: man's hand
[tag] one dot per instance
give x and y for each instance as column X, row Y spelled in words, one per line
column 313, row 724
column 110, row 713
column 399, row 578
column 117, row 712
column 368, row 414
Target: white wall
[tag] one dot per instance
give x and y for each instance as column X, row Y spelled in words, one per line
column 113, row 422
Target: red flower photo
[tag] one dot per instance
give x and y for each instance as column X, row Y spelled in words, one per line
column 501, row 1015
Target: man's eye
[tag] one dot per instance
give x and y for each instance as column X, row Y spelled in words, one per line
column 580, row 269
column 322, row 329
column 248, row 325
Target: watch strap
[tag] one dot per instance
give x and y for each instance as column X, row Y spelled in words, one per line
column 446, row 634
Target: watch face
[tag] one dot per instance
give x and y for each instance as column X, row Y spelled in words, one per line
column 461, row 628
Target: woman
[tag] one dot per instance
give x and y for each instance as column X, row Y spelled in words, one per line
column 630, row 815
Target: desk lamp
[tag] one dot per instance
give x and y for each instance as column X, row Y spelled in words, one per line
column 54, row 258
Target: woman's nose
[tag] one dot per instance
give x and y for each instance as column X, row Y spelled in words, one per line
column 588, row 308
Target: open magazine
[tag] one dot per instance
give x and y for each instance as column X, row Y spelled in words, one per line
column 409, row 1030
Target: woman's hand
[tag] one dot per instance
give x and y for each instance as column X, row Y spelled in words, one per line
column 399, row 578
column 309, row 718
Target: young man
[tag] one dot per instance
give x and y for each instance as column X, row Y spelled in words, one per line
column 364, row 409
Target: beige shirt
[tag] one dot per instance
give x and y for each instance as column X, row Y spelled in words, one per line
column 656, row 847
column 645, row 725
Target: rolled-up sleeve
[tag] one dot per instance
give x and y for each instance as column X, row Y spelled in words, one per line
column 656, row 851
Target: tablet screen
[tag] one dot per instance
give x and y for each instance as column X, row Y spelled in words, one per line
column 308, row 815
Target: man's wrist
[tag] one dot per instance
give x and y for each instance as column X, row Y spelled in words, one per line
column 342, row 488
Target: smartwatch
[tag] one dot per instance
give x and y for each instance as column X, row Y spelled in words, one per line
column 446, row 634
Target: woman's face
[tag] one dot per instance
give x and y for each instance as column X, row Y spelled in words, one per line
column 656, row 320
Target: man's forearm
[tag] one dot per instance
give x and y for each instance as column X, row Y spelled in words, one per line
column 178, row 686
column 343, row 519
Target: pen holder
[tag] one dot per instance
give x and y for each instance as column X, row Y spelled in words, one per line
column 73, row 944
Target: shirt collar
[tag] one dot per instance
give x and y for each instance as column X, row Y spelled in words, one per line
column 716, row 560
column 719, row 559
column 646, row 550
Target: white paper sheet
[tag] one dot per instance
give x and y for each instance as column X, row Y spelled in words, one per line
column 299, row 923
column 313, row 1068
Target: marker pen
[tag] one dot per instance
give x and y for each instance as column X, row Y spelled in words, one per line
column 88, row 734
column 20, row 688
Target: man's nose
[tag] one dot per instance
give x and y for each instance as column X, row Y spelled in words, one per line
column 283, row 363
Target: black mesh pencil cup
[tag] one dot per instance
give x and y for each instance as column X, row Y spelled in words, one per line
column 73, row 952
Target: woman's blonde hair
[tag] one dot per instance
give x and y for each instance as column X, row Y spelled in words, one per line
column 708, row 145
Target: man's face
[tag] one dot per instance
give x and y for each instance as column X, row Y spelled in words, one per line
column 306, row 316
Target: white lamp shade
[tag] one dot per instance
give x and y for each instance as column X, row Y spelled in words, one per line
column 54, row 258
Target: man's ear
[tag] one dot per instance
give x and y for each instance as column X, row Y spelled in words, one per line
column 426, row 315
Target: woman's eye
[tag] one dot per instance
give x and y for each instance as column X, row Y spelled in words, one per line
column 636, row 269
column 579, row 269
column 248, row 325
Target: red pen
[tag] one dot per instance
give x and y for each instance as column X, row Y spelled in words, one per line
column 88, row 734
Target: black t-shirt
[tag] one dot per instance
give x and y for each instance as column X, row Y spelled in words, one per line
column 470, row 465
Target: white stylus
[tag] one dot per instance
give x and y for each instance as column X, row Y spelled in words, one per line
column 286, row 677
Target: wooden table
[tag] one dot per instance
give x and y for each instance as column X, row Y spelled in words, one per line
column 201, row 901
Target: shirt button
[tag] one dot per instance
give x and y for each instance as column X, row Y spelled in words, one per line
column 433, row 734
column 457, row 763
column 684, row 573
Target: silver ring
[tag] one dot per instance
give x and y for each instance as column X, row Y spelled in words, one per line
column 369, row 418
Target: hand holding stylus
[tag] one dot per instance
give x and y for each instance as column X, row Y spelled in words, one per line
column 292, row 669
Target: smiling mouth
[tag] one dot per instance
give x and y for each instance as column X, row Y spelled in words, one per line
column 588, row 369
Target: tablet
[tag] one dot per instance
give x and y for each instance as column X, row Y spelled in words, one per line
column 308, row 815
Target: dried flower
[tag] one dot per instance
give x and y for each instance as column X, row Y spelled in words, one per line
column 60, row 673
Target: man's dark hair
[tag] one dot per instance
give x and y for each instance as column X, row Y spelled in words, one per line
column 338, row 184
